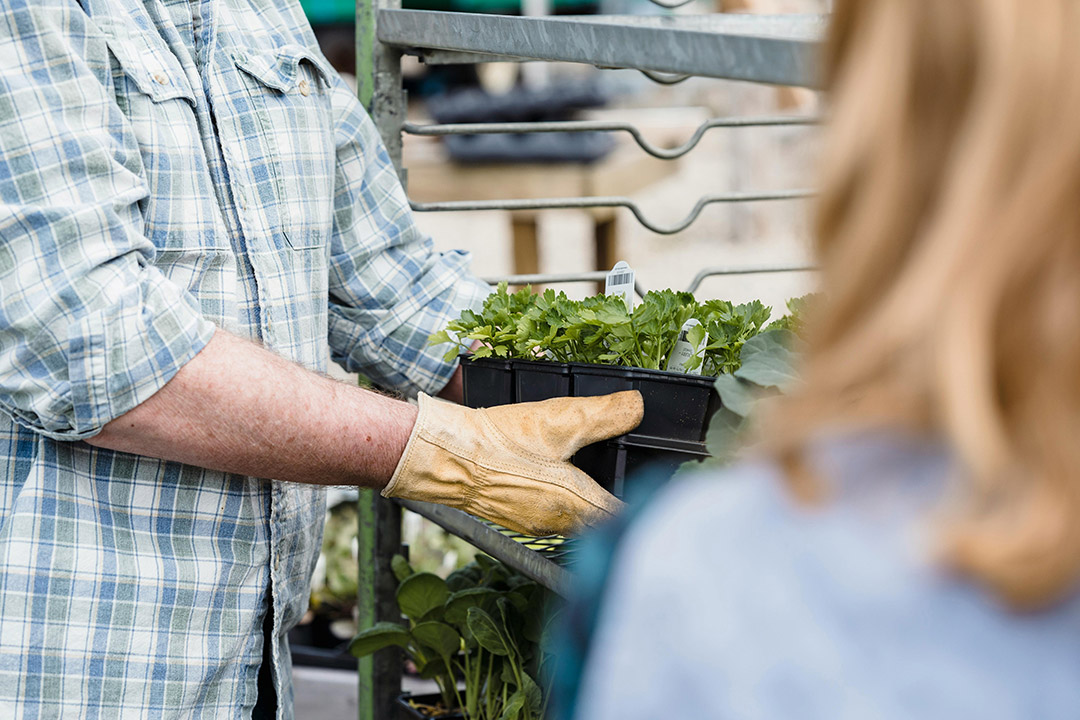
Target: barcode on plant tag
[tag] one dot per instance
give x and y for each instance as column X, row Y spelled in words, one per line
column 620, row 281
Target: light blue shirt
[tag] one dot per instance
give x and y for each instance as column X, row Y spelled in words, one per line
column 728, row 600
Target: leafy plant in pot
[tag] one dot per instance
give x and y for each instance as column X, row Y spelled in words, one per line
column 477, row 634
column 550, row 327
column 537, row 346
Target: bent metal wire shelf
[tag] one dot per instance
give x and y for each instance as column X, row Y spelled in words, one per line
column 779, row 50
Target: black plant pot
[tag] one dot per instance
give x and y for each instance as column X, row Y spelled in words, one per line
column 407, row 712
column 487, row 382
column 313, row 644
column 534, row 380
column 678, row 408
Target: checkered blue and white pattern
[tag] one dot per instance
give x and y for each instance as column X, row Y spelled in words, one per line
column 168, row 166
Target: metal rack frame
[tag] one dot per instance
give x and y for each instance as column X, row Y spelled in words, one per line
column 779, row 50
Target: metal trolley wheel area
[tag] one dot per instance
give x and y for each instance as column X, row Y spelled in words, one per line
column 777, row 50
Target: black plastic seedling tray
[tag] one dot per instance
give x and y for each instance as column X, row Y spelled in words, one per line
column 487, row 382
column 677, row 410
column 615, row 462
column 534, row 381
column 677, row 406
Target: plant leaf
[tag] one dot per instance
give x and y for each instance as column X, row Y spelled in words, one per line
column 534, row 698
column 457, row 605
column 466, row 577
column 767, row 361
column 514, row 706
column 439, row 338
column 378, row 636
column 401, row 567
column 434, row 668
column 435, row 614
column 738, row 396
column 724, row 434
column 486, row 632
column 419, row 593
column 442, row 638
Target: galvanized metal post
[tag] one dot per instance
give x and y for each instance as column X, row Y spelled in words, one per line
column 380, row 538
column 378, row 75
column 366, row 599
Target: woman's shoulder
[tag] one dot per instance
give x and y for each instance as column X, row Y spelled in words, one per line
column 879, row 493
column 743, row 599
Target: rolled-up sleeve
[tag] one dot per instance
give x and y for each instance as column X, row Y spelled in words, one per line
column 389, row 289
column 89, row 328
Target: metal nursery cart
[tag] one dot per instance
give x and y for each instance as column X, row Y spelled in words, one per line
column 778, row 50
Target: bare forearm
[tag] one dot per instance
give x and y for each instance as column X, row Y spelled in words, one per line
column 239, row 408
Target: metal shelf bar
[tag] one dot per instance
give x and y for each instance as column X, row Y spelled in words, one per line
column 494, row 543
column 671, row 5
column 776, row 49
column 664, row 78
column 606, row 126
column 595, row 275
column 591, row 202
column 547, row 278
column 750, row 270
column 556, row 278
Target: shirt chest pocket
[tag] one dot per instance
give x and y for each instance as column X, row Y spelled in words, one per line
column 154, row 93
column 289, row 92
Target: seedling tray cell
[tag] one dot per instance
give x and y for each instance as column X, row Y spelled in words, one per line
column 534, row 381
column 677, row 406
column 487, row 382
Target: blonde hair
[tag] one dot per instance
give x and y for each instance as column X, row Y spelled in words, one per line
column 948, row 232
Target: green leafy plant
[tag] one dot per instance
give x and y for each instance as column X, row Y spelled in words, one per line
column 767, row 369
column 793, row 321
column 481, row 626
column 599, row 329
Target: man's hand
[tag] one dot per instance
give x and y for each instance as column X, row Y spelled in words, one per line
column 510, row 464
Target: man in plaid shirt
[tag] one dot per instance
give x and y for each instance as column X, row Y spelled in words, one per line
column 194, row 208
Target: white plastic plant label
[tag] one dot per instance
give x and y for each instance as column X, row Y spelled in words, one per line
column 685, row 349
column 620, row 281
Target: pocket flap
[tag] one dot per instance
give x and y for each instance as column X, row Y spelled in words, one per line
column 149, row 63
column 279, row 69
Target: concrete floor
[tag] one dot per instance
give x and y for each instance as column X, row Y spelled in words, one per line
column 321, row 694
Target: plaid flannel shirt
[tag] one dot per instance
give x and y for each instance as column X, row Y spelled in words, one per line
column 168, row 166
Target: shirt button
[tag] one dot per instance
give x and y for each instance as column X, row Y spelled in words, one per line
column 161, row 79
column 304, row 88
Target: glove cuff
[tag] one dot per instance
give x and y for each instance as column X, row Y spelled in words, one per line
column 393, row 488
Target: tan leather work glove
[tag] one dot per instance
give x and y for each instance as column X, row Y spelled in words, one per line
column 510, row 464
